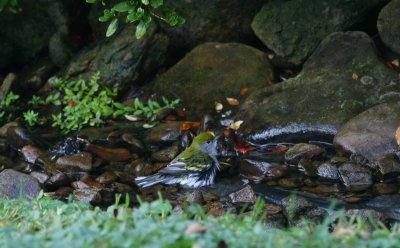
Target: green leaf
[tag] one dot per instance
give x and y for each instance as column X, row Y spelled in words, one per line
column 122, row 6
column 145, row 2
column 91, row 1
column 135, row 15
column 3, row 3
column 156, row 3
column 141, row 28
column 112, row 27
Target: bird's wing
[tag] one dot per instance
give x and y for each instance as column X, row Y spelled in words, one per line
column 182, row 165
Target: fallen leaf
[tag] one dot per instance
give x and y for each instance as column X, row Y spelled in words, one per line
column 218, row 106
column 354, row 76
column 244, row 90
column 395, row 62
column 71, row 103
column 195, row 228
column 236, row 125
column 278, row 149
column 398, row 136
column 171, row 118
column 270, row 55
column 147, row 125
column 132, row 117
column 243, row 149
column 186, row 125
column 232, row 101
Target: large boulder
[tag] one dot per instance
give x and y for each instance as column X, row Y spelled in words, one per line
column 371, row 133
column 342, row 78
column 213, row 71
column 14, row 184
column 122, row 59
column 389, row 25
column 293, row 29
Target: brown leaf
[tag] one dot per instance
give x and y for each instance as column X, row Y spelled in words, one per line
column 232, row 101
column 398, row 136
column 244, row 90
column 218, row 106
column 236, row 125
column 195, row 228
column 186, row 125
column 354, row 76
column 109, row 154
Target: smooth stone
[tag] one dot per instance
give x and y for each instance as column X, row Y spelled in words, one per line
column 388, row 26
column 257, row 170
column 355, row 177
column 59, row 179
column 87, row 182
column 328, row 171
column 107, row 177
column 385, row 188
column 389, row 165
column 196, row 197
column 303, row 151
column 63, row 193
column 75, row 163
column 290, row 183
column 14, row 184
column 163, row 133
column 214, row 71
column 245, row 195
column 19, row 137
column 333, row 96
column 31, row 153
column 370, row 134
column 166, row 154
column 89, row 195
column 40, row 176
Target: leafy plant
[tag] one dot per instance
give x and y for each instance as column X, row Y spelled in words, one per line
column 11, row 4
column 6, row 103
column 147, row 110
column 31, row 117
column 140, row 12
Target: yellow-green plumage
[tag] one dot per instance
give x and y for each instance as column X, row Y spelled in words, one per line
column 195, row 166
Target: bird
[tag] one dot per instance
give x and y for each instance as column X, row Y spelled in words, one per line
column 196, row 166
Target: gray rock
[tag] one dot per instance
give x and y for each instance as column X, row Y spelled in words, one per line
column 328, row 171
column 166, row 154
column 89, row 195
column 293, row 29
column 389, row 164
column 370, row 134
column 355, row 177
column 245, row 195
column 303, row 151
column 389, row 26
column 168, row 132
column 257, row 170
column 294, row 207
column 212, row 72
column 122, row 59
column 14, row 184
column 324, row 95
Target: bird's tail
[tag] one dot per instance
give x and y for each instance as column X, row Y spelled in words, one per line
column 148, row 181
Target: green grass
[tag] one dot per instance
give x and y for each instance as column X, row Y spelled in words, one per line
column 49, row 223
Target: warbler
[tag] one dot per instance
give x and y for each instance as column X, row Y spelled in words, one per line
column 196, row 166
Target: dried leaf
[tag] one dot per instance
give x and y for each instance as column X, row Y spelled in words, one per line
column 132, row 118
column 232, row 101
column 270, row 55
column 195, row 228
column 398, row 136
column 218, row 106
column 236, row 125
column 354, row 76
column 244, row 90
column 147, row 125
column 186, row 125
column 395, row 62
column 278, row 149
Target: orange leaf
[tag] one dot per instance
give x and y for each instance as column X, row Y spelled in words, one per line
column 398, row 136
column 232, row 101
column 186, row 125
column 110, row 154
column 71, row 103
column 278, row 149
column 244, row 90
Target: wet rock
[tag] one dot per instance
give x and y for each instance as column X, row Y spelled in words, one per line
column 89, row 195
column 130, row 139
column 166, row 154
column 196, row 197
column 257, row 170
column 389, row 165
column 63, row 193
column 315, row 215
column 19, row 137
column 31, row 153
column 107, row 177
column 303, row 151
column 168, row 132
column 211, row 20
column 294, row 207
column 337, row 160
column 369, row 215
column 293, row 29
column 123, row 189
column 385, row 189
column 308, row 166
column 333, row 96
column 328, row 171
column 290, row 183
column 355, row 177
column 145, row 169
column 122, row 59
column 75, row 163
column 87, row 182
column 41, row 177
column 323, row 189
column 245, row 195
column 59, row 179
column 14, row 184
column 5, row 127
column 109, row 154
column 214, row 71
column 4, row 147
column 388, row 26
column 371, row 133
column 208, row 197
